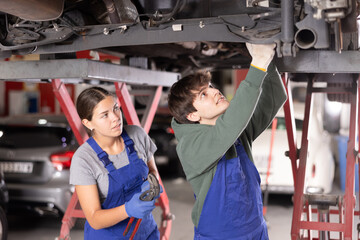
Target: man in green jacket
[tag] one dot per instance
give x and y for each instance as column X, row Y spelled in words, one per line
column 214, row 146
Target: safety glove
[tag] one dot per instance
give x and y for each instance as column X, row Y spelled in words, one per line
column 138, row 208
column 261, row 54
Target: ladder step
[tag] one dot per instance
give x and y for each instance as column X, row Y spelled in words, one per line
column 322, row 200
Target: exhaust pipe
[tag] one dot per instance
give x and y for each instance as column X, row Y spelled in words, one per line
column 305, row 38
column 312, row 32
column 47, row 211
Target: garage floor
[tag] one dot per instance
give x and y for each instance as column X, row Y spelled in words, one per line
column 279, row 217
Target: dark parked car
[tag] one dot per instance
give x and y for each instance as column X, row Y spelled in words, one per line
column 35, row 156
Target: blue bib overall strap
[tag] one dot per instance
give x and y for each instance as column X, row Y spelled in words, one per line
column 233, row 205
column 123, row 184
column 129, row 145
column 102, row 155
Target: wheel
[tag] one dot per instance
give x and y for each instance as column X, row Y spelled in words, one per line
column 3, row 225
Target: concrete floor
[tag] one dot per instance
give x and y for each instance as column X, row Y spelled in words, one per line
column 181, row 198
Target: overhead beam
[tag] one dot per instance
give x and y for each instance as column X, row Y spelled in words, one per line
column 317, row 61
column 226, row 28
column 310, row 61
column 84, row 69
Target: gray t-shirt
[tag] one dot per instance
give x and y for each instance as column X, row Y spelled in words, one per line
column 87, row 169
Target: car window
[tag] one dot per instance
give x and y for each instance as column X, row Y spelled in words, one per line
column 33, row 137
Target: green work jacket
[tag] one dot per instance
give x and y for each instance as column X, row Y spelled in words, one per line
column 256, row 102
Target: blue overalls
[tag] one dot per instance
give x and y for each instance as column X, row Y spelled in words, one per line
column 123, row 184
column 233, row 204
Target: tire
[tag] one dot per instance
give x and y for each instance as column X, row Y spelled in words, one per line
column 3, row 225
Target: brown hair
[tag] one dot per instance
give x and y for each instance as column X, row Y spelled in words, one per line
column 87, row 101
column 182, row 96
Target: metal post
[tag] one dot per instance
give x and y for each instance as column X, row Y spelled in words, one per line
column 287, row 20
column 68, row 107
column 309, row 218
column 72, row 212
column 349, row 198
column 126, row 105
column 300, row 173
column 290, row 127
column 287, row 26
column 151, row 109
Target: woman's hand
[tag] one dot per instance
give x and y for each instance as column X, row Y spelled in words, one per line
column 138, row 208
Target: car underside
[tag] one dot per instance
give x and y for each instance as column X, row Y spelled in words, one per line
column 177, row 35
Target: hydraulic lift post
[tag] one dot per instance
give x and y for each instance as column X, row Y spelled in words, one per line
column 303, row 202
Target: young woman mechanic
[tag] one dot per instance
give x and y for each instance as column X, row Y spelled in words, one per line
column 109, row 171
column 214, row 147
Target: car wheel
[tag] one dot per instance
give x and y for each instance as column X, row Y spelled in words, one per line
column 3, row 225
